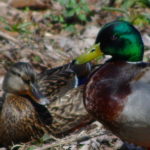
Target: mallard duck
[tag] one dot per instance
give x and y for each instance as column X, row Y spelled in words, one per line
column 22, row 111
column 118, row 93
column 55, row 82
column 68, row 113
column 63, row 86
column 26, row 114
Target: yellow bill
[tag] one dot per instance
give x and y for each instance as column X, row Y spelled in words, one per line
column 93, row 53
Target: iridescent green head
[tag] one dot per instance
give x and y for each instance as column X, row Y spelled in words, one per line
column 120, row 40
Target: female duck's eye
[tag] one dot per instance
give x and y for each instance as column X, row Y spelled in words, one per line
column 114, row 37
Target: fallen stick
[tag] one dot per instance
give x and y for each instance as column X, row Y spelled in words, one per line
column 8, row 37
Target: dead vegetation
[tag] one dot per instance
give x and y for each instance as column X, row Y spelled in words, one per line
column 48, row 38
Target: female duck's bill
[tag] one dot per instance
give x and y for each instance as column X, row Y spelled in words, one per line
column 21, row 80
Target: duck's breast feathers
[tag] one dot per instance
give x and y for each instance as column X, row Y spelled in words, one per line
column 111, row 86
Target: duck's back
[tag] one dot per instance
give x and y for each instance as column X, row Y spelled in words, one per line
column 55, row 82
column 68, row 113
column 66, row 106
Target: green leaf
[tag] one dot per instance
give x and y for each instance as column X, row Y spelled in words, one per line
column 82, row 17
column 69, row 13
column 37, row 59
column 8, row 28
column 70, row 28
column 45, row 138
column 3, row 20
column 128, row 4
column 24, row 25
column 86, row 8
column 78, row 10
column 32, row 148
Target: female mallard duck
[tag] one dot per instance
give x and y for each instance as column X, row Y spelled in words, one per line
column 68, row 113
column 25, row 114
column 22, row 112
column 63, row 86
column 118, row 93
column 55, row 82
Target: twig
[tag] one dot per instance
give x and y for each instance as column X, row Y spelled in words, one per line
column 116, row 9
column 68, row 141
column 8, row 37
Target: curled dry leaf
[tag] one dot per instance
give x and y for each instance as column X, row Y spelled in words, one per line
column 38, row 4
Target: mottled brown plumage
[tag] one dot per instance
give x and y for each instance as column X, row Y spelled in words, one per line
column 60, row 86
column 23, row 115
column 68, row 113
column 26, row 114
column 55, row 82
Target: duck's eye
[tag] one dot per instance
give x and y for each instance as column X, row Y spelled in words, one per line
column 114, row 37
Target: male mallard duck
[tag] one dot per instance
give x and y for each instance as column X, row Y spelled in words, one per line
column 118, row 93
column 26, row 114
column 22, row 111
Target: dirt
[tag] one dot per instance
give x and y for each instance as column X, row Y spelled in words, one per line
column 45, row 45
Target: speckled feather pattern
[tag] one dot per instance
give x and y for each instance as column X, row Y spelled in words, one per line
column 55, row 82
column 19, row 121
column 66, row 101
column 22, row 118
column 56, row 85
column 68, row 113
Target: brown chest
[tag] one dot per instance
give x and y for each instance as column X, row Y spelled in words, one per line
column 19, row 122
column 107, row 90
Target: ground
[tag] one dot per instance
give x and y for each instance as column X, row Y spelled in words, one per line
column 32, row 36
